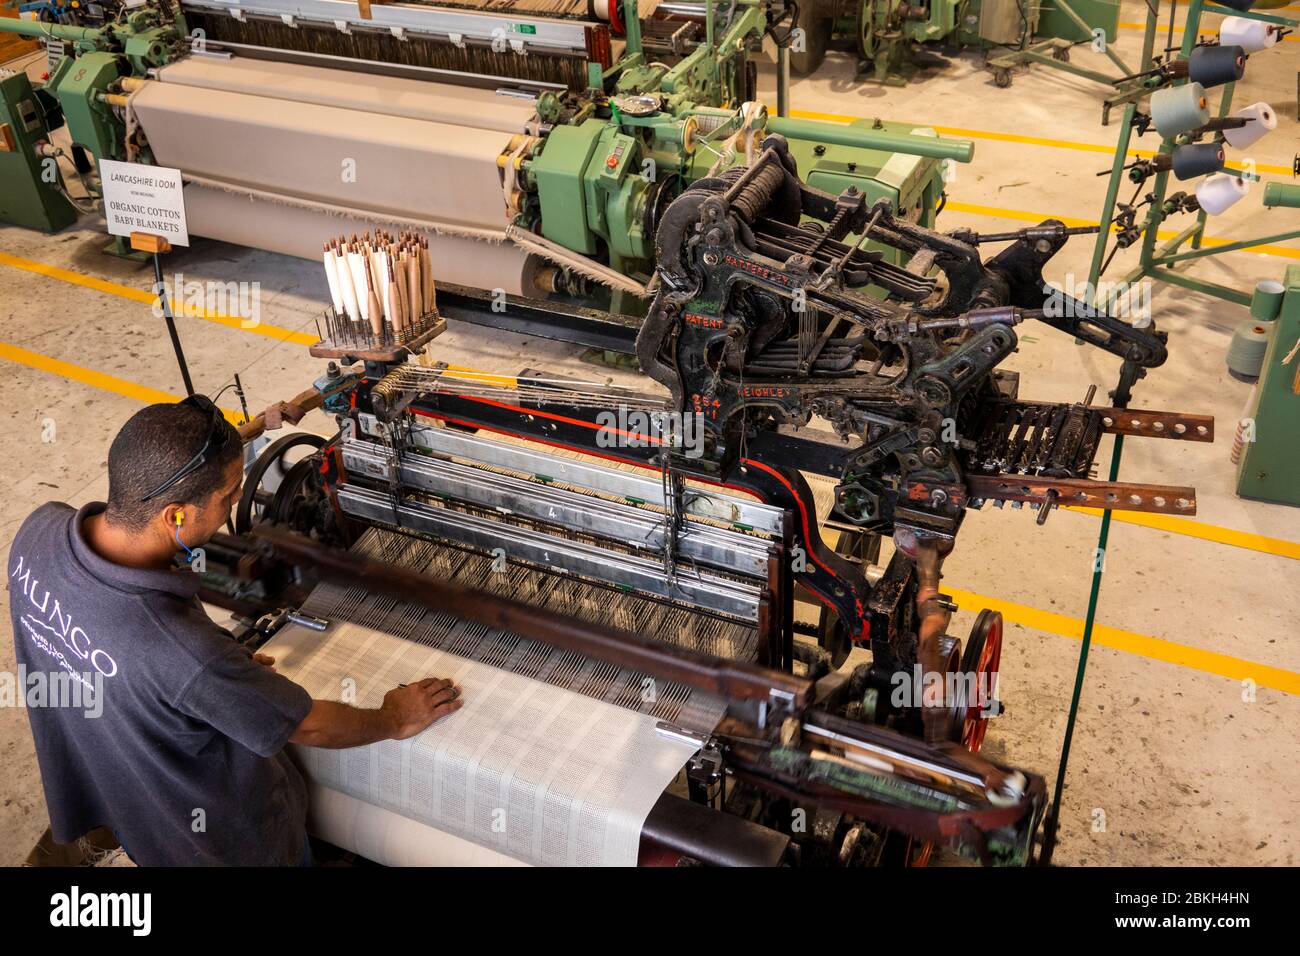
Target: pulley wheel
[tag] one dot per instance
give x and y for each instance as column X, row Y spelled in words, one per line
column 269, row 473
column 980, row 662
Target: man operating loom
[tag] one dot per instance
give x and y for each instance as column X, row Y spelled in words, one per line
column 178, row 743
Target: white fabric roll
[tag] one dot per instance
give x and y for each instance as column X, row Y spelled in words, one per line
column 1219, row 192
column 295, row 231
column 370, row 93
column 1263, row 120
column 389, row 838
column 387, row 164
column 1251, row 35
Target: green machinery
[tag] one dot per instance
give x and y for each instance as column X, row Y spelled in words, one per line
column 613, row 145
column 1267, row 452
column 1121, row 225
column 76, row 95
column 895, row 38
column 586, row 188
column 33, row 193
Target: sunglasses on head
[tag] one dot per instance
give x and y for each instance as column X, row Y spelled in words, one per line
column 216, row 440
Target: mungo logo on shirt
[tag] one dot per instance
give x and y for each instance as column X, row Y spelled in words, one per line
column 48, row 620
column 75, row 908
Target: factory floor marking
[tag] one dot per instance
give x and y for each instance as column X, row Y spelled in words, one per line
column 1024, row 139
column 148, row 298
column 1248, row 540
column 996, row 212
column 1142, row 645
column 86, row 376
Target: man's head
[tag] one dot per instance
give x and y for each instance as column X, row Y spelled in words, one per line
column 153, row 447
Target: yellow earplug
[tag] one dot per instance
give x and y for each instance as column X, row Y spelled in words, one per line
column 180, row 516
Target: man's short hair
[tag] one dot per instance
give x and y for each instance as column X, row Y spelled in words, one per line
column 154, row 444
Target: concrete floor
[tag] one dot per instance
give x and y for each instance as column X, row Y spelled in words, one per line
column 1172, row 762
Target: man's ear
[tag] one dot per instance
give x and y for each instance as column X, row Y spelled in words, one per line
column 174, row 518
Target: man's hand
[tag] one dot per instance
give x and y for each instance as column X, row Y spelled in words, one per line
column 266, row 660
column 405, row 712
column 411, row 708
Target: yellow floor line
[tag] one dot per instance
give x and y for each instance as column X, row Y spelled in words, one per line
column 86, row 376
column 1027, row 140
column 148, row 298
column 1187, row 527
column 1022, row 215
column 1143, row 645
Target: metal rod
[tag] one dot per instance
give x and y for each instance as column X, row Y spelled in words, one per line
column 160, row 287
column 1054, row 816
column 933, row 147
column 1112, row 194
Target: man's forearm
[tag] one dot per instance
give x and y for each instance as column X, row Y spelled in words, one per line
column 335, row 725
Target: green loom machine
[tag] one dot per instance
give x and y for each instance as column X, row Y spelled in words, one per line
column 894, row 39
column 556, row 134
column 1266, row 452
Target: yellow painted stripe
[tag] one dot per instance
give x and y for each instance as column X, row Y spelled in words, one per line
column 1143, row 645
column 86, row 376
column 1206, row 532
column 148, row 298
column 1164, row 28
column 1027, row 140
column 997, row 212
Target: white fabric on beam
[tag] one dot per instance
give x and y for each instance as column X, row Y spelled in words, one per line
column 392, row 165
column 346, row 89
column 297, row 231
column 542, row 774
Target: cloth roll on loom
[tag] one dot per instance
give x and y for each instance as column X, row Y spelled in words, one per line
column 399, row 154
column 298, row 231
column 552, row 760
column 389, row 838
column 379, row 94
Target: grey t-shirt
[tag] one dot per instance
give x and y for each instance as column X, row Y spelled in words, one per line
column 185, row 758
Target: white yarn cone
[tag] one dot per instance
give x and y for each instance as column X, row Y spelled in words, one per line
column 1219, row 192
column 1263, row 120
column 1251, row 35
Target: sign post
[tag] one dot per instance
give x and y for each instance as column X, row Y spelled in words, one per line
column 147, row 204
